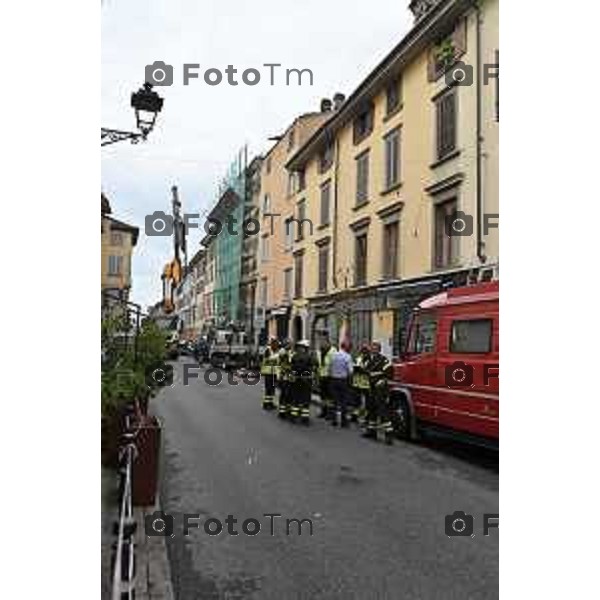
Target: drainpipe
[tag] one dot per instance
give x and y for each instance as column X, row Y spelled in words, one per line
column 479, row 168
column 335, row 212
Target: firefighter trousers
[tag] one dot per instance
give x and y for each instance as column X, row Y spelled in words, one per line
column 285, row 396
column 269, row 395
column 325, row 394
column 301, row 395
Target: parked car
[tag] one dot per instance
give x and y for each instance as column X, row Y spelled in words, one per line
column 447, row 377
column 186, row 348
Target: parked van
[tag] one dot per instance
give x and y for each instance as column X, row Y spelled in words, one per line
column 447, row 378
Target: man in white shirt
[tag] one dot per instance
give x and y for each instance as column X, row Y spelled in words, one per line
column 340, row 373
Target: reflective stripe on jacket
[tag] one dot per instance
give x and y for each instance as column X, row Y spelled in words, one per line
column 360, row 377
column 285, row 365
column 270, row 363
column 325, row 363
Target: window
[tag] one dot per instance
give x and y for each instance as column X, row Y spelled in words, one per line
column 446, row 116
column 323, row 267
column 446, row 246
column 264, row 291
column 301, row 180
column 266, row 204
column 115, row 265
column 471, row 337
column 326, row 159
column 390, row 250
column 265, row 255
column 325, row 202
column 291, row 187
column 301, row 219
column 363, row 124
column 393, row 96
column 449, row 48
column 362, row 179
column 287, row 284
column 422, row 339
column 392, row 158
column 298, row 272
column 361, row 326
column 288, row 234
column 360, row 259
column 268, row 165
column 116, row 238
column 291, row 139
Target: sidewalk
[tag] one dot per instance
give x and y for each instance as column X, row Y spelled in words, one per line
column 153, row 574
column 109, row 514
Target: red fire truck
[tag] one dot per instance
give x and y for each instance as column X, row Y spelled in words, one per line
column 447, row 379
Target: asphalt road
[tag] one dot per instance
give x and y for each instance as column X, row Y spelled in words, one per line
column 377, row 512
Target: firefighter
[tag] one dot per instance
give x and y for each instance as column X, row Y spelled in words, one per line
column 360, row 382
column 303, row 368
column 324, row 357
column 268, row 371
column 286, row 379
column 379, row 417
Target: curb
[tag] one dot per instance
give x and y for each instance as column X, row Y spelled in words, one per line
column 153, row 573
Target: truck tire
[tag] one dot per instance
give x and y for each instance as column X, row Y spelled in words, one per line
column 402, row 417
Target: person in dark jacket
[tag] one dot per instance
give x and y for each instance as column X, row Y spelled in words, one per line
column 285, row 379
column 303, row 371
column 379, row 370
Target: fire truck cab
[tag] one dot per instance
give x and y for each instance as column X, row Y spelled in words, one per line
column 447, row 378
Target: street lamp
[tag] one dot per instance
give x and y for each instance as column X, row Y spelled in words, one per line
column 147, row 104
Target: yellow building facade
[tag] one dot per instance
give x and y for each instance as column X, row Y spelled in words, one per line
column 118, row 240
column 275, row 258
column 401, row 181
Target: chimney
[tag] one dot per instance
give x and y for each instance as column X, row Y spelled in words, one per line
column 338, row 100
column 421, row 8
column 326, row 105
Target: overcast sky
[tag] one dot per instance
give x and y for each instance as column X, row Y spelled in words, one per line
column 202, row 127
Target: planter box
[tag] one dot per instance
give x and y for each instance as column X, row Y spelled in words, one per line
column 145, row 465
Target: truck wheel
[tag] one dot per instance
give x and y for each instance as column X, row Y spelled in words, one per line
column 402, row 418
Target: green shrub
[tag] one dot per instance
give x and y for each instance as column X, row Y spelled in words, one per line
column 124, row 370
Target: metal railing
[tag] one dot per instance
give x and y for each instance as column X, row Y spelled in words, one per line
column 123, row 584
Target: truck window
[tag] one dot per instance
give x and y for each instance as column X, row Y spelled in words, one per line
column 423, row 335
column 473, row 336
